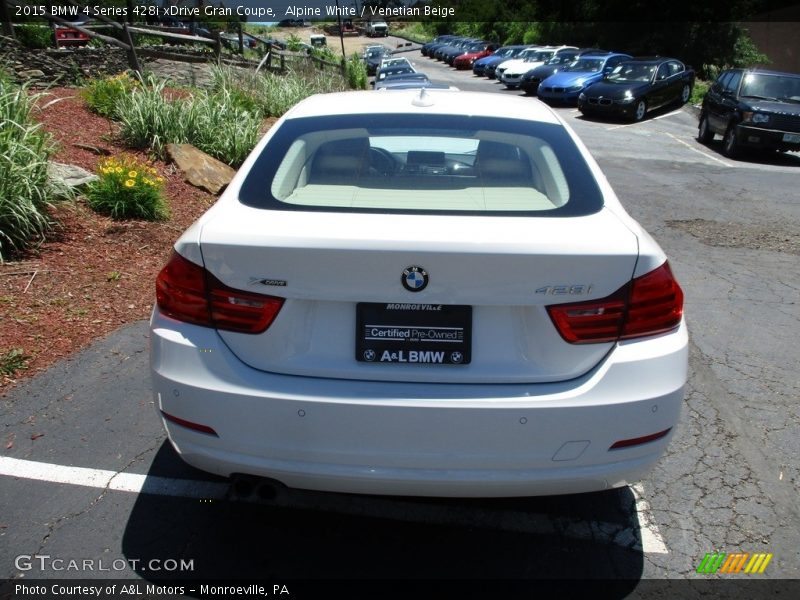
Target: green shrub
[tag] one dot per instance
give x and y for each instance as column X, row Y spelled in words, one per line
column 151, row 121
column 103, row 95
column 275, row 93
column 699, row 91
column 128, row 189
column 356, row 73
column 225, row 124
column 25, row 192
column 34, row 36
column 223, row 128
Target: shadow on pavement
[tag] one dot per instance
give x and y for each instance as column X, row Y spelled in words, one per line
column 344, row 537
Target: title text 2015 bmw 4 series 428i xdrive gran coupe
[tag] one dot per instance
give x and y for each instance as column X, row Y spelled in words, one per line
column 416, row 296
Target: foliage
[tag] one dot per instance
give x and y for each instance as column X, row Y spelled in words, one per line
column 25, row 192
column 34, row 36
column 128, row 188
column 699, row 91
column 103, row 95
column 356, row 71
column 416, row 31
column 275, row 93
column 224, row 124
column 12, row 361
column 294, row 43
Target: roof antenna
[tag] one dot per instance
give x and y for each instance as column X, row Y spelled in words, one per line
column 423, row 99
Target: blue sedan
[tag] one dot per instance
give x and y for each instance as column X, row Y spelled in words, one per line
column 566, row 85
column 479, row 67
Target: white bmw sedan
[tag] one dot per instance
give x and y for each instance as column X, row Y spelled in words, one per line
column 414, row 296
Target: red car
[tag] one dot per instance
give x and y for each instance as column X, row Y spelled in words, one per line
column 473, row 53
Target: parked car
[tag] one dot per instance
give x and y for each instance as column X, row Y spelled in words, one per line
column 530, row 81
column 374, row 56
column 454, row 45
column 490, row 70
column 436, row 294
column 377, row 29
column 752, row 108
column 406, row 81
column 566, row 85
column 449, row 54
column 396, row 69
column 442, row 39
column 67, row 36
column 510, row 72
column 500, row 55
column 635, row 87
column 473, row 53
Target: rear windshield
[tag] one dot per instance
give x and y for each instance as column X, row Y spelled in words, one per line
column 422, row 163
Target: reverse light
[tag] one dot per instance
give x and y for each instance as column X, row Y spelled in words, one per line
column 648, row 305
column 189, row 293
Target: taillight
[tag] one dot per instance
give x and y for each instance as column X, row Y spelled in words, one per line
column 187, row 292
column 650, row 304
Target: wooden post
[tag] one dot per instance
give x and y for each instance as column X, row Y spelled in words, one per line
column 133, row 60
column 217, row 45
column 241, row 40
column 5, row 15
column 283, row 63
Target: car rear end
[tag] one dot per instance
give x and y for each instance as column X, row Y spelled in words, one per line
column 420, row 298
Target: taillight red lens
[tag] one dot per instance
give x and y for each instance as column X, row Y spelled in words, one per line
column 181, row 291
column 187, row 292
column 656, row 304
column 650, row 304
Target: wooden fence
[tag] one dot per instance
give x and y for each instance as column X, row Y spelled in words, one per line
column 274, row 58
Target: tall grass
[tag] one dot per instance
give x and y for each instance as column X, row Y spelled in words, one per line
column 224, row 122
column 216, row 123
column 273, row 94
column 24, row 189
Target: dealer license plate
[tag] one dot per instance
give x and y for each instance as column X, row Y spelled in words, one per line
column 435, row 334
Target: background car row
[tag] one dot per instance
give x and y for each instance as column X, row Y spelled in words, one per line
column 599, row 82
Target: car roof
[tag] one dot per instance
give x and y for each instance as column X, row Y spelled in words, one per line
column 481, row 104
column 602, row 54
column 766, row 72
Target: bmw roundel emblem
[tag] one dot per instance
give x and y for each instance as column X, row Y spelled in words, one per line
column 415, row 279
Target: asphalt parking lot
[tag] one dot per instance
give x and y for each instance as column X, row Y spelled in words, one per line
column 89, row 476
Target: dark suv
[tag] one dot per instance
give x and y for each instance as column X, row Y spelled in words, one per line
column 752, row 108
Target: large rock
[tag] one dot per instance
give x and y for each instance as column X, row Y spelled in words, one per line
column 200, row 169
column 69, row 176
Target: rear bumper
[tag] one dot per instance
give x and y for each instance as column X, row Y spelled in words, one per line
column 418, row 439
column 772, row 139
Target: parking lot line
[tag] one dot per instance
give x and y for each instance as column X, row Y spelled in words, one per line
column 674, row 112
column 693, row 149
column 647, row 540
column 112, row 480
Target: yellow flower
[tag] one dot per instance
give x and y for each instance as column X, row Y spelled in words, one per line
column 132, row 174
column 130, row 183
column 118, row 169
